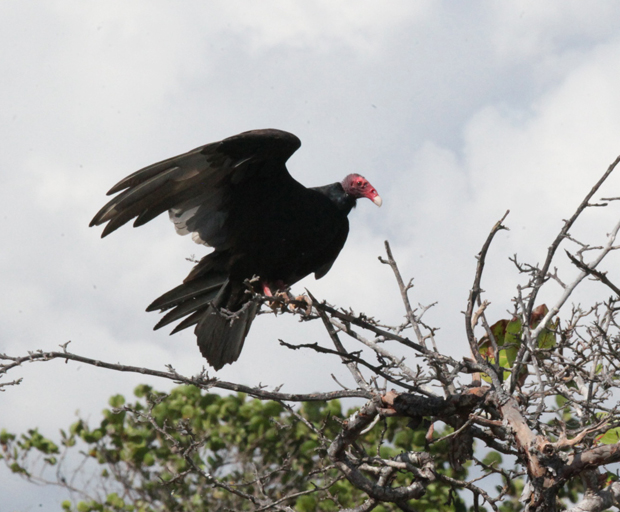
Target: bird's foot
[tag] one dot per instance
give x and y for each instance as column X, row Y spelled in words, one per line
column 283, row 300
column 300, row 302
column 278, row 293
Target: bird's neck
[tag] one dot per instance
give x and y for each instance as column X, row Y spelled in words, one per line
column 343, row 201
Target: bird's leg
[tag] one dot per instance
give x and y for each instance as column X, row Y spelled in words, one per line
column 289, row 300
column 279, row 290
column 266, row 289
column 278, row 285
column 280, row 301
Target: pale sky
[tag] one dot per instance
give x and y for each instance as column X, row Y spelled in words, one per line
column 454, row 111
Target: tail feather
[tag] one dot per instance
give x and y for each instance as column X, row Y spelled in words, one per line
column 188, row 291
column 222, row 310
column 192, row 319
column 221, row 335
column 189, row 306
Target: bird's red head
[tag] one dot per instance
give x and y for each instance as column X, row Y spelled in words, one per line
column 358, row 186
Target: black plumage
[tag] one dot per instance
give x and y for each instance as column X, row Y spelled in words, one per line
column 237, row 196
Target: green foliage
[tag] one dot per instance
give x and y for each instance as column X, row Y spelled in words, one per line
column 238, row 438
column 508, row 334
column 14, row 449
column 612, row 436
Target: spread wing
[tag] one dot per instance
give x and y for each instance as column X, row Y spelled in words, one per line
column 197, row 188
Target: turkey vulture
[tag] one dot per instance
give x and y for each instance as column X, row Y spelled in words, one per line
column 237, row 196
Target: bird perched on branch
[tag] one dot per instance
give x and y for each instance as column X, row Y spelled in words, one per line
column 237, row 196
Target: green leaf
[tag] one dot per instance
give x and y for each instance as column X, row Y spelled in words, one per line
column 507, row 334
column 16, row 468
column 492, row 459
column 306, row 503
column 512, row 340
column 83, row 507
column 610, row 478
column 546, row 339
column 116, row 401
column 612, row 436
column 142, row 390
column 6, row 437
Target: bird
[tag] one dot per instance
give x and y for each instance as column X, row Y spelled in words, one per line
column 237, row 196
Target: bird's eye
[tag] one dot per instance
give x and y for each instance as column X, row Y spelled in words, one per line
column 360, row 183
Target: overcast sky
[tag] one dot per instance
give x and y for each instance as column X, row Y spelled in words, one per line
column 455, row 111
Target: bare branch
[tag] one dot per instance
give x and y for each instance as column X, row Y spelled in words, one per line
column 202, row 381
column 602, row 277
column 542, row 274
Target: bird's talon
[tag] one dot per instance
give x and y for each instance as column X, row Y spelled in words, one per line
column 294, row 304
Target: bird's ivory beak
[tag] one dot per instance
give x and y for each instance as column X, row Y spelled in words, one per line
column 377, row 200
